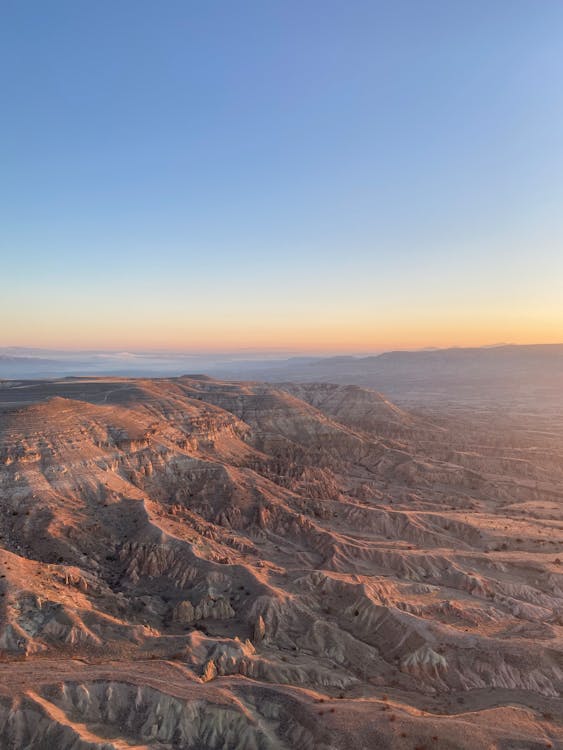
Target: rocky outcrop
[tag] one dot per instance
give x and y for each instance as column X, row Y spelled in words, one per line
column 424, row 662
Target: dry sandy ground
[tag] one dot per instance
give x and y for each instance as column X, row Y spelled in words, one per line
column 190, row 563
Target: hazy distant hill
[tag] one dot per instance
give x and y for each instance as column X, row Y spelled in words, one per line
column 509, row 373
column 506, row 372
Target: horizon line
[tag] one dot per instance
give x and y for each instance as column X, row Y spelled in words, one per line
column 287, row 351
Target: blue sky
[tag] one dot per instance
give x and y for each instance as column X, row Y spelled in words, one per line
column 304, row 175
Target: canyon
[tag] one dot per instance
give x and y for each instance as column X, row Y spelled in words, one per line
column 188, row 562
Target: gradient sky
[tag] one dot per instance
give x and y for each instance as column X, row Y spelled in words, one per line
column 301, row 175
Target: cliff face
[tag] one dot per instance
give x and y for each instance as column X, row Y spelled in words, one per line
column 194, row 563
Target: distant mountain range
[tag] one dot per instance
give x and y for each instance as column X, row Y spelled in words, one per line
column 503, row 373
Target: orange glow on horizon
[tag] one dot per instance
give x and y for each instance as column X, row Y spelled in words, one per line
column 298, row 326
column 309, row 340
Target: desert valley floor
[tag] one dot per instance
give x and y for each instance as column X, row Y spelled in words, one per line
column 193, row 564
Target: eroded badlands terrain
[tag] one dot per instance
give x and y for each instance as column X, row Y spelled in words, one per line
column 190, row 563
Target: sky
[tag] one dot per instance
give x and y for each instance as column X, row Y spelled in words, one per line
column 305, row 175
